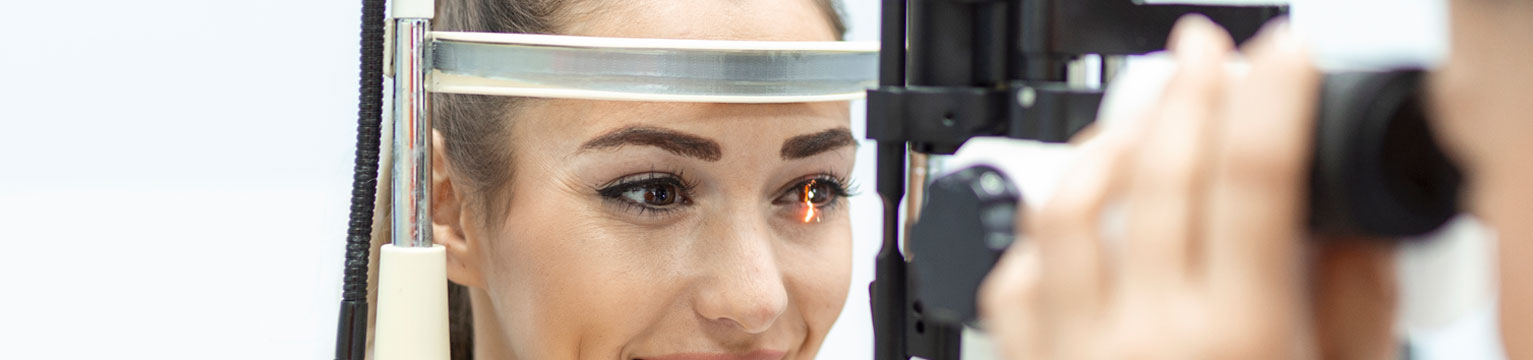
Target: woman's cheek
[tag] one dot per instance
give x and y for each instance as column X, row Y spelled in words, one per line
column 824, row 266
column 565, row 272
column 821, row 277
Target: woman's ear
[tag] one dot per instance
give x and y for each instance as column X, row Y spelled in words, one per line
column 450, row 220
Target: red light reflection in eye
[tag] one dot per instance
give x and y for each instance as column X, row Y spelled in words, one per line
column 809, row 209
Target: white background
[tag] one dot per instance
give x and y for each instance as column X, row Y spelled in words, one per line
column 174, row 178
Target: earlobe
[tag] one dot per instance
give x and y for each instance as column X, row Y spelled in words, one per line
column 448, row 225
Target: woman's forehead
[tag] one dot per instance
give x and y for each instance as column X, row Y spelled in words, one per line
column 596, row 114
column 571, row 122
column 770, row 20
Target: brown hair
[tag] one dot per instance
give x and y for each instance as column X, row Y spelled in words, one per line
column 474, row 127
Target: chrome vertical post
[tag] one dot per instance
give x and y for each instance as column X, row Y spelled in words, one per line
column 412, row 133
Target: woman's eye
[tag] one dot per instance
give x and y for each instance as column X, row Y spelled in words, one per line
column 649, row 192
column 654, row 195
column 817, row 192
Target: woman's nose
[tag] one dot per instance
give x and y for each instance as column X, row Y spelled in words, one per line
column 744, row 286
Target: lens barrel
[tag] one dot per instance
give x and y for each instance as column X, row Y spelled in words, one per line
column 1377, row 169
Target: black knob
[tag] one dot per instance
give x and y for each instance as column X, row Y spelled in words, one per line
column 967, row 223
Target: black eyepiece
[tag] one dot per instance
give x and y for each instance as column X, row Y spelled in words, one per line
column 1377, row 169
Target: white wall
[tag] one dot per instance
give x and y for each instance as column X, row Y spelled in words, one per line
column 174, row 177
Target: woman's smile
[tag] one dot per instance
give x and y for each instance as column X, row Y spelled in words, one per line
column 753, row 355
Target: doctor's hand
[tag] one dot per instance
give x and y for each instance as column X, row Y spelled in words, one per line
column 1211, row 183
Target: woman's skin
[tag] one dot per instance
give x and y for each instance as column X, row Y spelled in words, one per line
column 730, row 269
column 1214, row 184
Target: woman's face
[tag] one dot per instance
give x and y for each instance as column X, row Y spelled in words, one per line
column 669, row 230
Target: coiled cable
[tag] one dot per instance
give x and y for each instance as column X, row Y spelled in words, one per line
column 351, row 335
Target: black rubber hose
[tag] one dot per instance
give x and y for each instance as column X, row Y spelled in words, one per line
column 351, row 334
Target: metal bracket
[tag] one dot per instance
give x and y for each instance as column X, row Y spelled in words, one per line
column 1051, row 112
column 934, row 120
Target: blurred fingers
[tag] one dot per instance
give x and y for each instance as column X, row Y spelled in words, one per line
column 1068, row 227
column 1259, row 186
column 1170, row 168
column 1010, row 304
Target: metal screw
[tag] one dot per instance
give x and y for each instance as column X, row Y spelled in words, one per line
column 1027, row 96
column 992, row 184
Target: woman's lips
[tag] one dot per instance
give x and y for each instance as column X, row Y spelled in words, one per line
column 754, row 355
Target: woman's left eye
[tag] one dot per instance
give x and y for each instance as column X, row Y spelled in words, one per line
column 819, row 192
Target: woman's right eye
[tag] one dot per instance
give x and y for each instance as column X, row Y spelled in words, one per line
column 657, row 195
column 649, row 192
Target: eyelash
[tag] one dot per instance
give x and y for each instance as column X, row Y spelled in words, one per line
column 614, row 191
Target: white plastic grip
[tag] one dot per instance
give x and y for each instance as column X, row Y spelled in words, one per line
column 413, row 9
column 412, row 304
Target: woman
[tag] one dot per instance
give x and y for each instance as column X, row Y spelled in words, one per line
column 1215, row 184
column 635, row 230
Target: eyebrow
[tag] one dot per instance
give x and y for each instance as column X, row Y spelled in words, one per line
column 807, row 145
column 676, row 142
